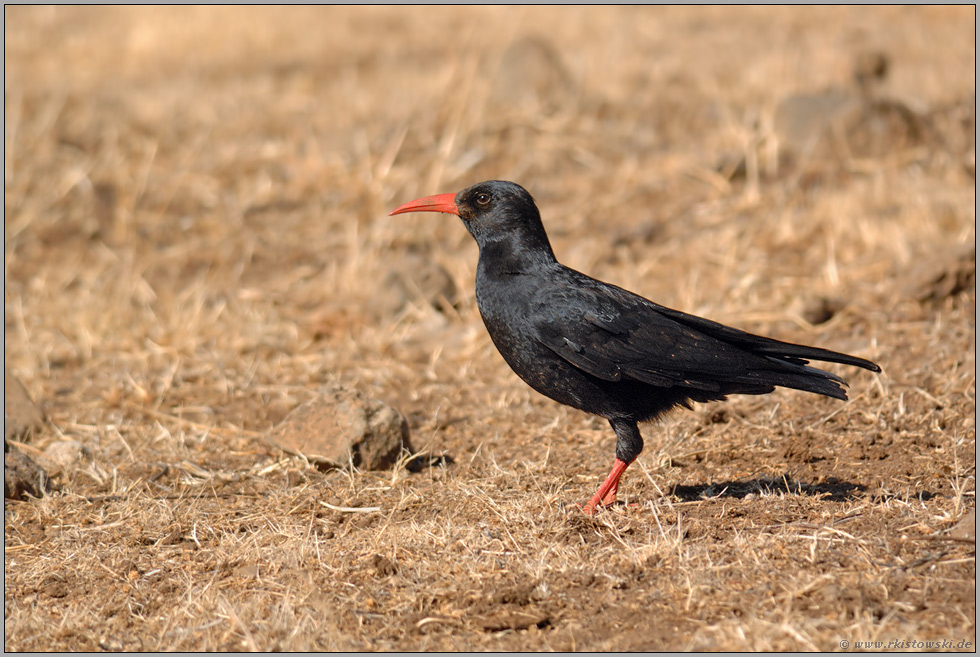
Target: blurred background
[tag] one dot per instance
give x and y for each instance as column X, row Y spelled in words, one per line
column 219, row 178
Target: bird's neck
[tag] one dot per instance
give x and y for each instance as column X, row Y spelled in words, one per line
column 509, row 256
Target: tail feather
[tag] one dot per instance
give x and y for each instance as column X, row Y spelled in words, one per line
column 809, row 379
column 797, row 354
column 800, row 354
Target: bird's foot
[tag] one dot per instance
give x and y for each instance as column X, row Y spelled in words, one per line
column 589, row 508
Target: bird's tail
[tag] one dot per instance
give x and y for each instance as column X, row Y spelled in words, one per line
column 798, row 353
column 806, row 378
column 763, row 346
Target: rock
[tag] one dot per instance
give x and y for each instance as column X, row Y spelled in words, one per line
column 22, row 476
column 342, row 427
column 22, row 419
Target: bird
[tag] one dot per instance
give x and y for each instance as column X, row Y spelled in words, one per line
column 602, row 349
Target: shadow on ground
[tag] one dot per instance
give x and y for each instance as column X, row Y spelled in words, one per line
column 832, row 489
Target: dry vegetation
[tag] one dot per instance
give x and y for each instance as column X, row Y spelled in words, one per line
column 196, row 241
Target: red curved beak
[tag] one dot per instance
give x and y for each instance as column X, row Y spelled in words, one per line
column 437, row 203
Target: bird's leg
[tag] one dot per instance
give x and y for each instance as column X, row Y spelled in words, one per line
column 606, row 494
column 610, row 497
column 629, row 444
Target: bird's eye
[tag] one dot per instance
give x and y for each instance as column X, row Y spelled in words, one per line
column 483, row 198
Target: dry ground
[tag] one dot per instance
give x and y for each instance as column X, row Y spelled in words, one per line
column 196, row 241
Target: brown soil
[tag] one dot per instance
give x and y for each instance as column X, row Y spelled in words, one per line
column 196, row 241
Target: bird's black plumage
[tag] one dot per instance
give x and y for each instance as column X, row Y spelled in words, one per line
column 600, row 348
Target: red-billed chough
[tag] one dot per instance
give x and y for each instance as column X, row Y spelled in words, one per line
column 600, row 348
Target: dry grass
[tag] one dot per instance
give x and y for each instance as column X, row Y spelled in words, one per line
column 196, row 240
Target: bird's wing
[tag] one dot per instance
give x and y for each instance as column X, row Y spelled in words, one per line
column 613, row 334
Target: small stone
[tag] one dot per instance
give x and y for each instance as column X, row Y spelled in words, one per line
column 342, row 427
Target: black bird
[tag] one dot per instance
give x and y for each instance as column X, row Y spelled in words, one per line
column 600, row 348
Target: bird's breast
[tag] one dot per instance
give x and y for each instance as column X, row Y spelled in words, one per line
column 506, row 307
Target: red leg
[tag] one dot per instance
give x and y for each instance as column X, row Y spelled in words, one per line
column 606, row 494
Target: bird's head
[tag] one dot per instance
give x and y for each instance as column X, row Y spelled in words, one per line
column 493, row 211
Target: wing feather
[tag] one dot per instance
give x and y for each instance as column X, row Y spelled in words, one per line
column 614, row 334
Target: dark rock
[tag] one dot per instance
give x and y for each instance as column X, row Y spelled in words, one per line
column 22, row 476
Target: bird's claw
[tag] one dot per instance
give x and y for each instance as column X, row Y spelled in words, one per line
column 589, row 508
